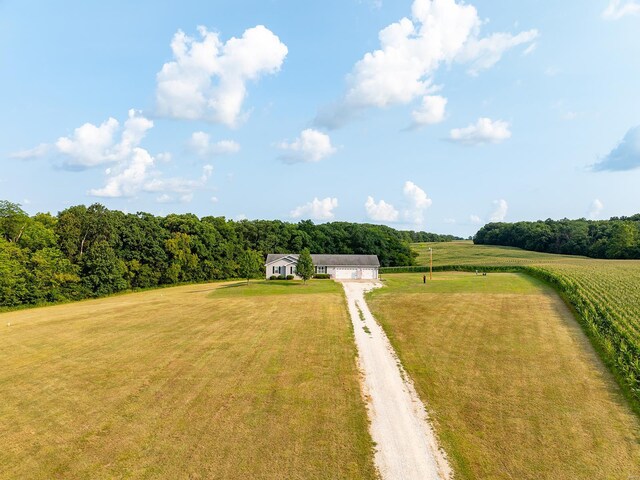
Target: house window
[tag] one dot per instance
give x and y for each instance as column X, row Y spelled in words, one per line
column 291, row 270
column 321, row 269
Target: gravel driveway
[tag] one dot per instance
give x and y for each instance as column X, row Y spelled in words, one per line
column 406, row 446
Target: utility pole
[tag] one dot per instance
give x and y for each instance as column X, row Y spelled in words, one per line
column 430, row 263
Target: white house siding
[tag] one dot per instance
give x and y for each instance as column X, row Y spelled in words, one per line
column 284, row 266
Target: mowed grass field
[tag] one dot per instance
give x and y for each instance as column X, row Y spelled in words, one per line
column 207, row 381
column 611, row 285
column 512, row 383
column 464, row 252
column 605, row 295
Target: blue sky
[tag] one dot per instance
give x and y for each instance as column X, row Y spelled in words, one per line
column 434, row 114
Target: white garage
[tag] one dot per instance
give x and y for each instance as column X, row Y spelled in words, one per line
column 339, row 267
column 344, row 273
column 369, row 274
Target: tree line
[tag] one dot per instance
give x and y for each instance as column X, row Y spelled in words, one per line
column 616, row 238
column 92, row 251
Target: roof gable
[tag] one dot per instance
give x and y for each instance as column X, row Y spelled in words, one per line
column 286, row 257
column 345, row 260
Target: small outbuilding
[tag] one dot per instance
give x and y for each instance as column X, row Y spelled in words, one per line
column 338, row 267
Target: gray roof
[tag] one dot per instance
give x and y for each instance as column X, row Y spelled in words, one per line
column 332, row 260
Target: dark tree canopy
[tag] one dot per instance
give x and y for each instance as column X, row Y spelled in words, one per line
column 617, row 238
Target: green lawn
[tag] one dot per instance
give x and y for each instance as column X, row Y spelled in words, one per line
column 513, row 385
column 457, row 282
column 199, row 381
column 605, row 295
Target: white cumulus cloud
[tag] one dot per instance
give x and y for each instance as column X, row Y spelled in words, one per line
column 316, row 209
column 200, row 143
column 310, row 146
column 618, row 9
column 500, row 211
column 381, row 211
column 439, row 32
column 430, row 111
column 128, row 178
column 475, row 219
column 131, row 168
column 92, row 145
column 483, row 131
column 207, row 80
column 418, row 202
column 595, row 209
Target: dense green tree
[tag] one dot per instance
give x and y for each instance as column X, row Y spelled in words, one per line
column 102, row 271
column 13, row 221
column 39, row 233
column 140, row 242
column 614, row 238
column 251, row 264
column 624, row 240
column 79, row 227
column 14, row 275
column 54, row 277
column 304, row 267
column 183, row 263
column 70, row 229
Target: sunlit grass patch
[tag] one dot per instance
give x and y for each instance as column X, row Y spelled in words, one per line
column 512, row 383
column 175, row 383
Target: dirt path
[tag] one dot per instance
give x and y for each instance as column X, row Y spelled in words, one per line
column 406, row 446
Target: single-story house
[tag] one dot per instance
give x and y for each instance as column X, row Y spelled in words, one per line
column 339, row 267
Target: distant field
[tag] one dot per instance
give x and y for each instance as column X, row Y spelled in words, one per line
column 203, row 381
column 604, row 293
column 514, row 386
column 466, row 253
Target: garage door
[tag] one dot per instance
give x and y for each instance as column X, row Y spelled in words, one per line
column 345, row 273
column 368, row 273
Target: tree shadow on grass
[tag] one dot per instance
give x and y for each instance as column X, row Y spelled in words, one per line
column 270, row 287
column 280, row 283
